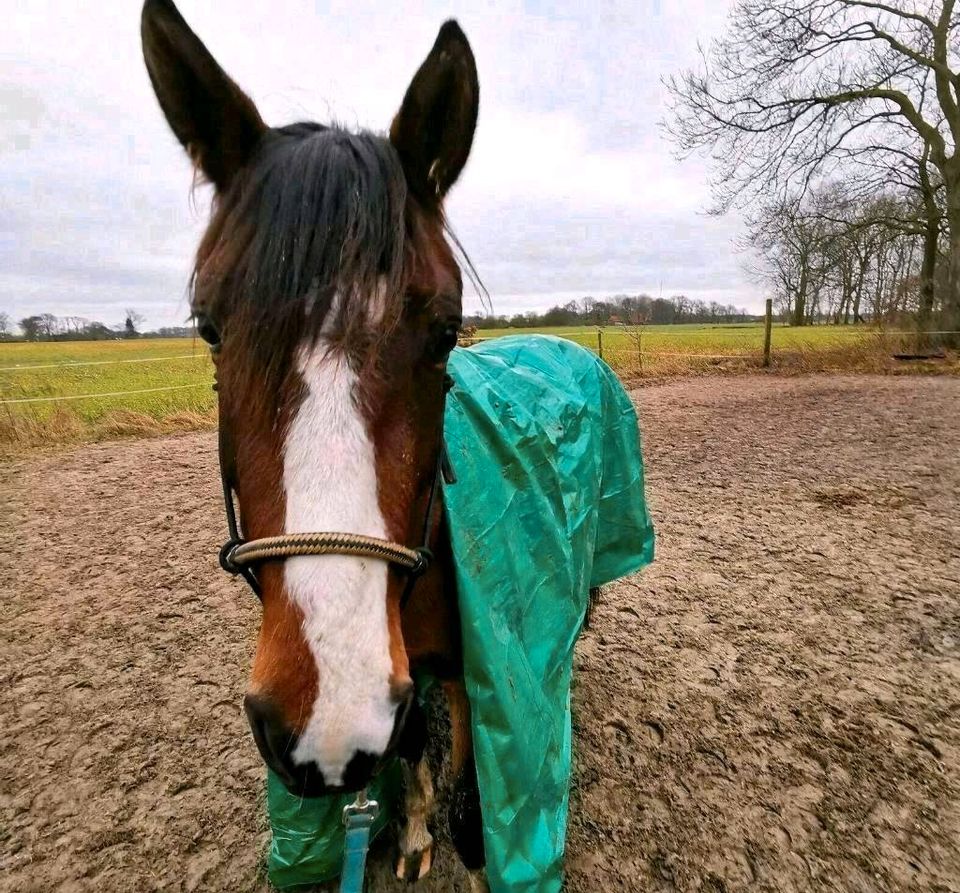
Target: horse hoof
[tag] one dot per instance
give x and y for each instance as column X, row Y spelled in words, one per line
column 415, row 866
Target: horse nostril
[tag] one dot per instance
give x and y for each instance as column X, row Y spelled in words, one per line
column 359, row 770
column 274, row 739
column 401, row 691
column 405, row 708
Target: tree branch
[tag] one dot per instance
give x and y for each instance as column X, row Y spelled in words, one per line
column 893, row 10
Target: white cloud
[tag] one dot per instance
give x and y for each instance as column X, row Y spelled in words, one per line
column 547, row 156
column 570, row 187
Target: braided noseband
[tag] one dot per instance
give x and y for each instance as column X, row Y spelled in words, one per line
column 290, row 544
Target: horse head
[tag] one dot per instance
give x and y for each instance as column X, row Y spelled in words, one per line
column 331, row 298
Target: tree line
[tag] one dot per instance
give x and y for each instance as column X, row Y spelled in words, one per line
column 833, row 125
column 48, row 327
column 628, row 310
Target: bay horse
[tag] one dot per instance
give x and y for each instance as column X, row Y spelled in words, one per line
column 330, row 296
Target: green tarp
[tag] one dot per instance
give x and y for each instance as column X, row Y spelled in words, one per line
column 548, row 503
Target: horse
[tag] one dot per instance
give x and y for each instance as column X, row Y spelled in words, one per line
column 329, row 293
column 328, row 289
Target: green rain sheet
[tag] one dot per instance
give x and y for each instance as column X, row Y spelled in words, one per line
column 548, row 503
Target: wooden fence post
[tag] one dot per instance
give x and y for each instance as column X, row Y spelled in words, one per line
column 767, row 331
column 600, row 342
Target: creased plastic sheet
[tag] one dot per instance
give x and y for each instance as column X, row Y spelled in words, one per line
column 308, row 834
column 549, row 501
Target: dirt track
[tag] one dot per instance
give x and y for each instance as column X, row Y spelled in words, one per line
column 773, row 705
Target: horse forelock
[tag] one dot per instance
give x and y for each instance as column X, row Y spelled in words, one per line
column 311, row 238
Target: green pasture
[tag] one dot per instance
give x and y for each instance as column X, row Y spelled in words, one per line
column 22, row 354
column 62, row 392
column 170, row 375
column 54, row 392
column 697, row 340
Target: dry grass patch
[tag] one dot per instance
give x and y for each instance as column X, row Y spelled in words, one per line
column 21, row 433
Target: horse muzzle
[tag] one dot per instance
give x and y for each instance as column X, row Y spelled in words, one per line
column 277, row 743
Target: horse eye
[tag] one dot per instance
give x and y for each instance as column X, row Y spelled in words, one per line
column 445, row 341
column 207, row 330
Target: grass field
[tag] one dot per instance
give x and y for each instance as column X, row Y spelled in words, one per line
column 139, row 387
column 63, row 392
column 697, row 340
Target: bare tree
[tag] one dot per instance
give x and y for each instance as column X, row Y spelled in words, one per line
column 789, row 244
column 31, row 327
column 903, row 171
column 634, row 323
column 835, row 256
column 133, row 320
column 49, row 325
column 5, row 325
column 797, row 86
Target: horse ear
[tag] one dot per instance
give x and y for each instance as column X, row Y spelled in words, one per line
column 433, row 130
column 216, row 122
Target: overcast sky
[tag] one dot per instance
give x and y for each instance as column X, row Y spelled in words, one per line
column 570, row 190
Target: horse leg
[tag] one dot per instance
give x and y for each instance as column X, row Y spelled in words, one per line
column 416, row 842
column 464, row 816
column 592, row 601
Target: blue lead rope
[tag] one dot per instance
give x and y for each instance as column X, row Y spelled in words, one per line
column 358, row 818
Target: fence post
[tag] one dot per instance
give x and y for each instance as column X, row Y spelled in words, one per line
column 767, row 330
column 600, row 342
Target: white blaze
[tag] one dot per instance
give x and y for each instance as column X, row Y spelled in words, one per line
column 330, row 480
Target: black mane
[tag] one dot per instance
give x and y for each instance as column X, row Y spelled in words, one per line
column 319, row 213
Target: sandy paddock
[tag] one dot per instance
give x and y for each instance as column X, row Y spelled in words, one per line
column 773, row 705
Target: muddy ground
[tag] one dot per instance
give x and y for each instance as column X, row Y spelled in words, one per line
column 773, row 705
